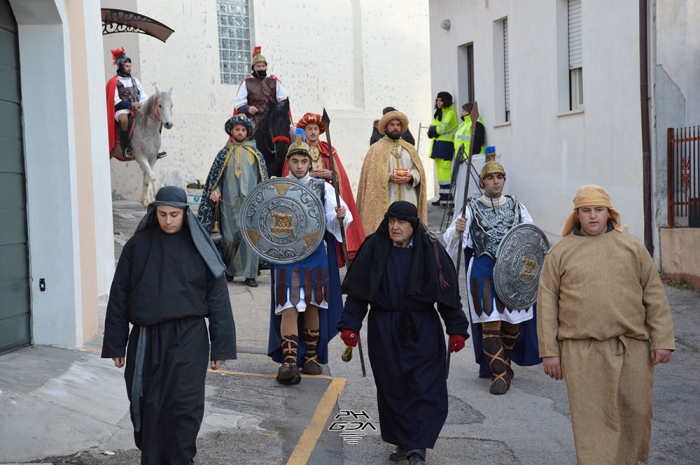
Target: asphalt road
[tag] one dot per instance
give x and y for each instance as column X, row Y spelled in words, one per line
column 250, row 419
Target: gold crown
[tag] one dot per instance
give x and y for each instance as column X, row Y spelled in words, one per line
column 298, row 146
column 491, row 167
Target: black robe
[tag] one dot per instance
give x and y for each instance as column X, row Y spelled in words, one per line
column 164, row 288
column 407, row 351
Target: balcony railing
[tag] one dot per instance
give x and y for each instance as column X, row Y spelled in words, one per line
column 684, row 177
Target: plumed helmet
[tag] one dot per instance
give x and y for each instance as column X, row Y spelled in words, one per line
column 239, row 119
column 257, row 56
column 299, row 147
column 491, row 167
column 119, row 57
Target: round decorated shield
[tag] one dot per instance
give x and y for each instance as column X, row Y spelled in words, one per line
column 519, row 260
column 283, row 220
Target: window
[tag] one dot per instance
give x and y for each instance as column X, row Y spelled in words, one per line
column 465, row 71
column 575, row 56
column 235, row 49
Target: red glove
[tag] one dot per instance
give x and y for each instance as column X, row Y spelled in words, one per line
column 350, row 337
column 457, row 342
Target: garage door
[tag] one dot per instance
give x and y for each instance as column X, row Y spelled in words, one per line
column 14, row 263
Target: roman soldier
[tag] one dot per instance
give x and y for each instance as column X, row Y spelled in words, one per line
column 124, row 94
column 258, row 90
column 321, row 168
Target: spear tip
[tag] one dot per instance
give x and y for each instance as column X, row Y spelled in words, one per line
column 325, row 119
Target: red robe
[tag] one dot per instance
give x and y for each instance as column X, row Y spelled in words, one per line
column 355, row 233
column 111, row 123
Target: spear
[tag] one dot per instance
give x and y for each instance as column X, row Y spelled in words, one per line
column 327, row 122
column 474, row 115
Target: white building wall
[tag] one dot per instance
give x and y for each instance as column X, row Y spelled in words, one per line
column 549, row 152
column 52, row 204
column 104, row 232
column 353, row 57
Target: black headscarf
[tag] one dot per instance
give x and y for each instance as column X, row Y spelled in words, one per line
column 171, row 196
column 432, row 277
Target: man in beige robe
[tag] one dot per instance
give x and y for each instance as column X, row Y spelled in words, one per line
column 603, row 323
column 392, row 171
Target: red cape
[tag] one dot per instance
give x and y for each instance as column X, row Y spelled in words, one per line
column 354, row 234
column 111, row 123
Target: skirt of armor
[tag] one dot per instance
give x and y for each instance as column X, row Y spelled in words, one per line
column 303, row 283
column 484, row 304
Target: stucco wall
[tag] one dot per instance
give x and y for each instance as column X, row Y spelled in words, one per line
column 548, row 153
column 353, row 57
column 681, row 257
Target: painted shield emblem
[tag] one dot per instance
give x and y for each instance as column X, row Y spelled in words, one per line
column 519, row 262
column 283, row 220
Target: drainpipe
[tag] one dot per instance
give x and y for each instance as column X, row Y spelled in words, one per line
column 646, row 136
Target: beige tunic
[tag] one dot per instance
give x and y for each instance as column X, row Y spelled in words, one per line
column 602, row 308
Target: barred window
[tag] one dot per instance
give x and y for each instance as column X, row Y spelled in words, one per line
column 234, row 40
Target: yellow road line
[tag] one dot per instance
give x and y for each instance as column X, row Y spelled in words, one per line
column 313, row 431
column 308, row 439
column 238, row 373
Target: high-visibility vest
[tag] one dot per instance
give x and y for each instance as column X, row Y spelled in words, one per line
column 448, row 126
column 463, row 136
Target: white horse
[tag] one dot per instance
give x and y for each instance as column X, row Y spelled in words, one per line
column 154, row 114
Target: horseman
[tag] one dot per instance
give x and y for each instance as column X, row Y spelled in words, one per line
column 125, row 94
column 257, row 90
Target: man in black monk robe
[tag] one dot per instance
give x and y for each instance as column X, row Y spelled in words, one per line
column 401, row 272
column 169, row 278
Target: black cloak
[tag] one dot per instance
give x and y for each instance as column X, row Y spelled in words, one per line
column 165, row 285
column 406, row 342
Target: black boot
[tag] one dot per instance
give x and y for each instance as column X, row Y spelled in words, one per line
column 289, row 372
column 493, row 350
column 124, row 142
column 311, row 365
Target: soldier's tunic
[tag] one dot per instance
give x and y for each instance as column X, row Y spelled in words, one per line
column 314, row 280
column 488, row 221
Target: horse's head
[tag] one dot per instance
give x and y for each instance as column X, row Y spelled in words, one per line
column 163, row 107
column 273, row 136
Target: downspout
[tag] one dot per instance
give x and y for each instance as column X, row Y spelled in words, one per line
column 646, row 136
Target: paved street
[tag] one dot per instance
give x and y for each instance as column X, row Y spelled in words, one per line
column 65, row 406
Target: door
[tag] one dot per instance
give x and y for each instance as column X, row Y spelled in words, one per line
column 14, row 256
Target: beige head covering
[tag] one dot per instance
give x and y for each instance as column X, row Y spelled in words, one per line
column 390, row 116
column 590, row 196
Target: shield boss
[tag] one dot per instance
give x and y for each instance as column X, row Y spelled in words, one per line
column 519, row 260
column 283, row 220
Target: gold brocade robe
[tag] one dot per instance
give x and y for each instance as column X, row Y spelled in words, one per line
column 375, row 193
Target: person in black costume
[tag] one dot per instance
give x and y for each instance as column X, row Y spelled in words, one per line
column 168, row 279
column 401, row 272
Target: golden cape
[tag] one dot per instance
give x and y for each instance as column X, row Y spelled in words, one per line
column 373, row 192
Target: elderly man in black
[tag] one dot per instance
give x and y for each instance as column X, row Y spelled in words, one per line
column 169, row 278
column 401, row 272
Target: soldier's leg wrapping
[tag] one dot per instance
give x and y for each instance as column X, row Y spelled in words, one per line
column 493, row 350
column 509, row 334
column 289, row 372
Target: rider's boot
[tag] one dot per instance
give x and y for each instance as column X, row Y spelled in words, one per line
column 124, row 142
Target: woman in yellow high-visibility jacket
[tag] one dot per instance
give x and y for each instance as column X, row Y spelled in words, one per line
column 442, row 130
